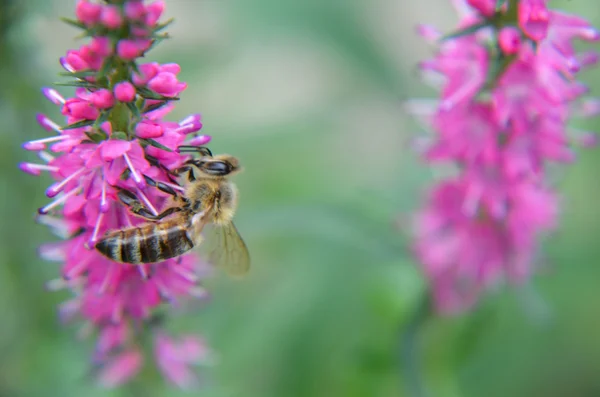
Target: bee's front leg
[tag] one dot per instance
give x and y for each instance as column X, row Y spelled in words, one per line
column 130, row 200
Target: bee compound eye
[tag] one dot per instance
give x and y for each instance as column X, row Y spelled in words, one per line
column 217, row 168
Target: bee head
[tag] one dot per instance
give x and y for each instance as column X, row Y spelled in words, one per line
column 218, row 166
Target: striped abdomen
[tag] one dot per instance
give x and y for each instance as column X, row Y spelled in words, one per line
column 149, row 243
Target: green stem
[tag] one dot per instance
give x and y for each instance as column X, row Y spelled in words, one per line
column 409, row 355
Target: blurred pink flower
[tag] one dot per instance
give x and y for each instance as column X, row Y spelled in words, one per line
column 501, row 118
column 95, row 154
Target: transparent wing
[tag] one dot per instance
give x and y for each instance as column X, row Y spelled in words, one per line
column 224, row 247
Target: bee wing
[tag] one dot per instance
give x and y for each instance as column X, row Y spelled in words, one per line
column 225, row 248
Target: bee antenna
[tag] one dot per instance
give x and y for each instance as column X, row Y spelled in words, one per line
column 203, row 150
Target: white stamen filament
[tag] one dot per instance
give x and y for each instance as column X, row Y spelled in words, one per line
column 136, row 177
column 60, row 200
column 94, row 237
column 42, row 167
column 104, row 207
column 186, row 274
column 142, row 270
column 147, row 202
column 54, row 96
column 57, row 187
column 188, row 120
column 104, row 286
column 47, row 157
column 47, row 140
column 58, row 226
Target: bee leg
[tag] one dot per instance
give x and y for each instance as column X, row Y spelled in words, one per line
column 130, row 200
column 155, row 162
column 167, row 189
column 161, row 186
column 188, row 169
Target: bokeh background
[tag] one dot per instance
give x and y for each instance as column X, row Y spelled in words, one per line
column 309, row 95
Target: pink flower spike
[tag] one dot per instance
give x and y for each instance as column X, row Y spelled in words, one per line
column 509, row 40
column 53, row 96
column 120, row 369
column 102, row 99
column 111, row 17
column 124, row 91
column 534, row 18
column 200, row 140
column 103, row 155
column 88, row 13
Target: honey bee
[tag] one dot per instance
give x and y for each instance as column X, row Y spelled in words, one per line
column 209, row 199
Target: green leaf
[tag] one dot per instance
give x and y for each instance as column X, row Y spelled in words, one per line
column 134, row 109
column 96, row 137
column 79, row 124
column 466, row 31
column 154, row 106
column 80, row 74
column 148, row 94
column 156, row 144
column 106, row 66
column 163, row 25
column 74, row 23
column 78, row 83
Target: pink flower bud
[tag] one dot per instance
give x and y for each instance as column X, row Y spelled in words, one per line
column 534, row 18
column 74, row 59
column 170, row 67
column 111, row 17
column 80, row 109
column 88, row 13
column 509, row 40
column 148, row 129
column 131, row 49
column 154, row 11
column 148, row 71
column 166, row 84
column 134, row 10
column 101, row 46
column 485, row 7
column 139, row 31
column 124, row 91
column 102, row 99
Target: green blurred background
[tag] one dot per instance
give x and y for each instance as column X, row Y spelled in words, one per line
column 308, row 94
